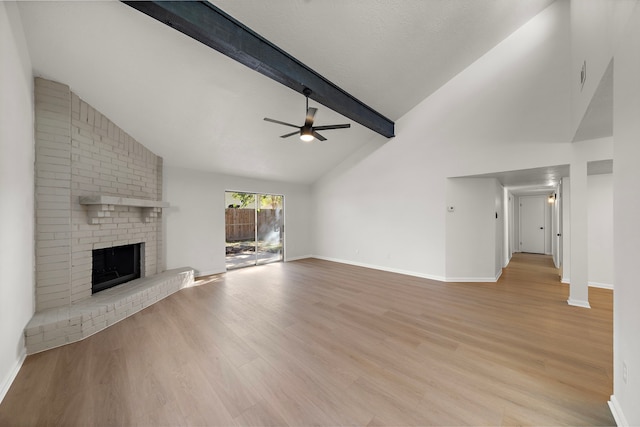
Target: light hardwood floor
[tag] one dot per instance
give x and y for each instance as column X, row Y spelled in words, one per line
column 318, row 343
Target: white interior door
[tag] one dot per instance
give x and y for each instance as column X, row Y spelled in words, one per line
column 532, row 210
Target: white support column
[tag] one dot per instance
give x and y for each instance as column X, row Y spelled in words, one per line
column 579, row 286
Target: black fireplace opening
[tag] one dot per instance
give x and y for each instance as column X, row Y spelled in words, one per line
column 114, row 266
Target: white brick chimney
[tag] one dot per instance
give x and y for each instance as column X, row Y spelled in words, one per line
column 82, row 154
column 96, row 187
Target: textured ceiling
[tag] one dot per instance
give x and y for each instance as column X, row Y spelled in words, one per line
column 199, row 109
column 391, row 54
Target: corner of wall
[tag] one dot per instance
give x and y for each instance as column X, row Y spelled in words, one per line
column 626, row 210
column 17, row 194
column 616, row 411
column 6, row 382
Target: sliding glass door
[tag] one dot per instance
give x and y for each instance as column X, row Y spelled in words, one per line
column 254, row 228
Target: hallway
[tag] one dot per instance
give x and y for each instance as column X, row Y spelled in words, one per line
column 528, row 268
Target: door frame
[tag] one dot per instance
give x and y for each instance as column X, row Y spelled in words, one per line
column 546, row 240
column 256, row 208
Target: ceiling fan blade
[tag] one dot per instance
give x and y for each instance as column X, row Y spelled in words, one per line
column 317, row 136
column 311, row 112
column 290, row 134
column 328, row 127
column 280, row 123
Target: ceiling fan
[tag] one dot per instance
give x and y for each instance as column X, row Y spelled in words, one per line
column 308, row 131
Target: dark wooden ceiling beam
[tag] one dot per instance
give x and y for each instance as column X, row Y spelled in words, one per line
column 209, row 25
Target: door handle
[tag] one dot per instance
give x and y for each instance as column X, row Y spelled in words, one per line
column 541, row 228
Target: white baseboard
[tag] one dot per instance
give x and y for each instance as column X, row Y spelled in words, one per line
column 198, row 273
column 377, row 267
column 578, row 303
column 567, row 281
column 295, row 258
column 601, row 285
column 471, row 279
column 506, row 263
column 475, row 279
column 616, row 411
column 8, row 380
column 413, row 273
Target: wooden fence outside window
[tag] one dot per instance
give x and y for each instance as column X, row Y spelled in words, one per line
column 241, row 223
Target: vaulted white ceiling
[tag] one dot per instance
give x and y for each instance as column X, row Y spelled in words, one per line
column 199, row 109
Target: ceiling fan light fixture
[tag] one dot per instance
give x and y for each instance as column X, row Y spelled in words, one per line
column 306, row 135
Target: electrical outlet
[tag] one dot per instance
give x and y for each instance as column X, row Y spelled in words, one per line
column 624, row 372
column 357, row 251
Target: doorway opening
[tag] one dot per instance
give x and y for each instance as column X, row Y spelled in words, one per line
column 535, row 230
column 254, row 229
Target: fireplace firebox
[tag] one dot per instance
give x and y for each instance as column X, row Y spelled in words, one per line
column 114, row 266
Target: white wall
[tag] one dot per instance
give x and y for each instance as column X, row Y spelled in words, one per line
column 508, row 226
column 600, row 229
column 498, row 226
column 16, row 193
column 516, row 224
column 579, row 284
column 471, row 230
column 575, row 259
column 559, row 204
column 548, row 228
column 596, row 27
column 555, row 227
column 195, row 229
column 626, row 211
column 491, row 117
column 565, row 200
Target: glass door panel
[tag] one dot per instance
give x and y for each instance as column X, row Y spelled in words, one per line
column 240, row 229
column 270, row 228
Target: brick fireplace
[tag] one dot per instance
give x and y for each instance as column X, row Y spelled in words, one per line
column 96, row 188
column 80, row 153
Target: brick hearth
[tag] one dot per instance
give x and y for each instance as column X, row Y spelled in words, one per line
column 58, row 326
